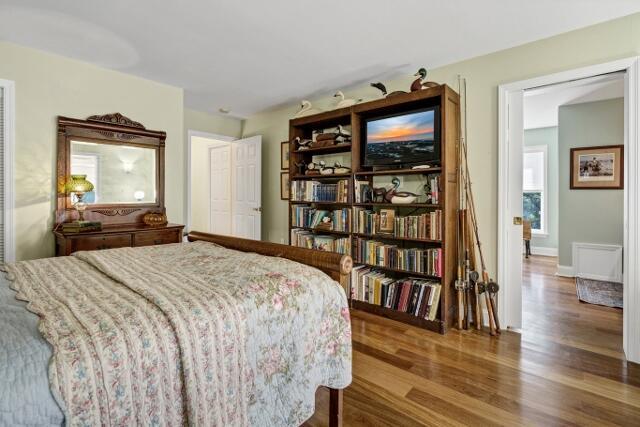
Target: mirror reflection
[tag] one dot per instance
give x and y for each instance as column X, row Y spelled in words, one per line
column 119, row 173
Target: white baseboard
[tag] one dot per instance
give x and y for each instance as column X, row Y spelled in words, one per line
column 541, row 250
column 565, row 271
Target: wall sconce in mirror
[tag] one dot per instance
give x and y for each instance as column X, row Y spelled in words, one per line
column 139, row 195
column 127, row 166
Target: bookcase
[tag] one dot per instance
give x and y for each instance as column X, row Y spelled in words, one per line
column 398, row 247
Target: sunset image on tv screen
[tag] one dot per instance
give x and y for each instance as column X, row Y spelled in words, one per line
column 398, row 139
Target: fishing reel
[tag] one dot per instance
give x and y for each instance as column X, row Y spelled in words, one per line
column 493, row 287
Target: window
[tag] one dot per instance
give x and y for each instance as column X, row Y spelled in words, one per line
column 534, row 187
column 87, row 164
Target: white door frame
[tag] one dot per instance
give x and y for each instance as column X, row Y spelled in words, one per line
column 631, row 277
column 9, row 169
column 190, row 135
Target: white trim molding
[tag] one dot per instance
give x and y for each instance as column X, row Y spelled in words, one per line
column 565, row 271
column 9, row 169
column 631, row 245
column 543, row 251
column 510, row 311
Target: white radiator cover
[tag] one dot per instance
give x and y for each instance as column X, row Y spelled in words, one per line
column 597, row 261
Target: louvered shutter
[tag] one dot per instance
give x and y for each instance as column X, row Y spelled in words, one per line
column 2, row 195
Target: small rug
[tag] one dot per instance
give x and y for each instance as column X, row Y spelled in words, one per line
column 599, row 292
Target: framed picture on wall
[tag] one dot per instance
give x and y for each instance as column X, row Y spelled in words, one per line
column 597, row 168
column 284, row 155
column 284, row 185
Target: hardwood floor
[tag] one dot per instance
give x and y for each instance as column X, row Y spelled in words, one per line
column 551, row 375
column 552, row 311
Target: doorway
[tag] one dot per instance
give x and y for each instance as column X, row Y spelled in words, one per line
column 224, row 185
column 511, row 159
column 564, row 299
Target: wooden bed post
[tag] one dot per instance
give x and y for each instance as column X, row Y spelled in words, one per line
column 335, row 407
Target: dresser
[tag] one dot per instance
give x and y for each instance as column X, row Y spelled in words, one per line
column 124, row 162
column 118, row 236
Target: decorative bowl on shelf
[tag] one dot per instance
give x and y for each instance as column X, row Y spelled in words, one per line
column 155, row 219
column 403, row 200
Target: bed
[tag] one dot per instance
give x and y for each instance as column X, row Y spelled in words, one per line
column 218, row 331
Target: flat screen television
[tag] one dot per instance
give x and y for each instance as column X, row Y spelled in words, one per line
column 403, row 140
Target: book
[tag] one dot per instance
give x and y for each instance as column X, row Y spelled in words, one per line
column 81, row 226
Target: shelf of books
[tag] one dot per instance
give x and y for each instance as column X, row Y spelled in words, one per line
column 398, row 224
column 410, row 299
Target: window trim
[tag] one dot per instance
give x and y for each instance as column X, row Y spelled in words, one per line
column 544, row 149
column 95, row 182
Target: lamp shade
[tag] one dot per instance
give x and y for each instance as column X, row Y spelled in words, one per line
column 78, row 184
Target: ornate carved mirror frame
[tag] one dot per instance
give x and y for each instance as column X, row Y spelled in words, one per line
column 114, row 129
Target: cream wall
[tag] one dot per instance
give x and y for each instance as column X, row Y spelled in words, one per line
column 49, row 85
column 205, row 122
column 596, row 44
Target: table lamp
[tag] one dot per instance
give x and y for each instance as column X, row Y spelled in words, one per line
column 79, row 185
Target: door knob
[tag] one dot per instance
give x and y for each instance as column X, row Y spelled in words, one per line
column 517, row 220
column 258, row 209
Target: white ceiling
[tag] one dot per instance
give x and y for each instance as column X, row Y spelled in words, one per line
column 248, row 56
column 541, row 105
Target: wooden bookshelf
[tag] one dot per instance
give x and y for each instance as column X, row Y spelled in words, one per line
column 433, row 325
column 338, row 148
column 390, row 172
column 321, row 177
column 398, row 205
column 448, row 101
column 323, row 231
column 406, row 273
column 392, row 237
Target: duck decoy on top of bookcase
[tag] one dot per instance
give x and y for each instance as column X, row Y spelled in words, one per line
column 342, row 103
column 382, row 88
column 306, row 109
column 419, row 83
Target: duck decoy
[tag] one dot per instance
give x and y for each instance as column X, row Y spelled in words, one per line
column 399, row 197
column 306, row 109
column 324, row 169
column 301, row 144
column 342, row 103
column 382, row 88
column 338, row 168
column 419, row 84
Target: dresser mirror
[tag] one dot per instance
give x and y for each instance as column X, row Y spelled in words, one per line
column 123, row 161
column 119, row 173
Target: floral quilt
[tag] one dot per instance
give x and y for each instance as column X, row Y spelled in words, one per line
column 188, row 333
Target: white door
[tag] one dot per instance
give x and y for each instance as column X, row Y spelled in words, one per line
column 220, row 190
column 246, row 187
column 515, row 140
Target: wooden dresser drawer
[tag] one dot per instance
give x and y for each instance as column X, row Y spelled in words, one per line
column 160, row 237
column 92, row 243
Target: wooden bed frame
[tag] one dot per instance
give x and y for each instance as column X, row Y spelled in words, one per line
column 335, row 265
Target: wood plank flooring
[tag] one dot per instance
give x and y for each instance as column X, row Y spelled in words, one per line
column 559, row 373
column 552, row 311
